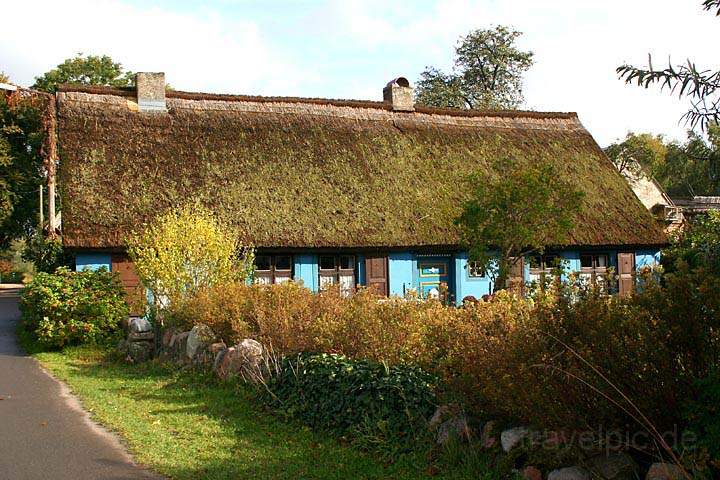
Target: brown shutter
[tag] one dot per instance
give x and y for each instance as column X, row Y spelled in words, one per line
column 123, row 267
column 376, row 276
column 626, row 270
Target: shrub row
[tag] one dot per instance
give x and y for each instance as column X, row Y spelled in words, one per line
column 531, row 361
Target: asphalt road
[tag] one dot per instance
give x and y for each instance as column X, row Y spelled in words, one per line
column 44, row 434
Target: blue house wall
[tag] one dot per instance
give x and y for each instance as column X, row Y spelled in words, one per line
column 92, row 261
column 465, row 285
column 403, row 270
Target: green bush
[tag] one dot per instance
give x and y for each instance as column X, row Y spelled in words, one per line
column 70, row 307
column 364, row 399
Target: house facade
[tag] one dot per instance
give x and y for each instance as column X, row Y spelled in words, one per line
column 329, row 191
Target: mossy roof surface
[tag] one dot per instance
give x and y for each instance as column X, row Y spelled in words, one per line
column 317, row 173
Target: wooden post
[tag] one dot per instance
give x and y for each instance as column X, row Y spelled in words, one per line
column 50, row 154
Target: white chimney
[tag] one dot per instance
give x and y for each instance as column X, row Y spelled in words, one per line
column 151, row 91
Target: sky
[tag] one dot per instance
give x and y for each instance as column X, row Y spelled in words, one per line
column 351, row 49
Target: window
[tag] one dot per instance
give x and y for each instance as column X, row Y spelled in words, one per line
column 542, row 266
column 273, row 269
column 338, row 270
column 594, row 267
column 475, row 270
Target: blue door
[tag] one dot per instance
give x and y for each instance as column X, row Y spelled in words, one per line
column 433, row 276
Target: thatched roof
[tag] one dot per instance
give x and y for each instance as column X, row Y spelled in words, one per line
column 292, row 172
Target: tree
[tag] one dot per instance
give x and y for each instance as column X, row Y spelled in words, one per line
column 22, row 135
column 521, row 210
column 85, row 70
column 46, row 254
column 640, row 154
column 693, row 167
column 686, row 80
column 186, row 249
column 487, row 73
column 21, row 166
column 682, row 169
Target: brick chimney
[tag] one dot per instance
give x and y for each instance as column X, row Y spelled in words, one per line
column 399, row 94
column 151, row 91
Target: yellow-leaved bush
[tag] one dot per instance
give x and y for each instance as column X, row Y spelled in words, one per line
column 456, row 343
column 513, row 358
column 186, row 249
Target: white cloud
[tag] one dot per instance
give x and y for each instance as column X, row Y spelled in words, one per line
column 577, row 44
column 203, row 52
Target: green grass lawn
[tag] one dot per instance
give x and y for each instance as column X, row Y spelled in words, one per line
column 188, row 425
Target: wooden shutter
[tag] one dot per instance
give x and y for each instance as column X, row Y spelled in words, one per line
column 123, row 267
column 376, row 276
column 626, row 270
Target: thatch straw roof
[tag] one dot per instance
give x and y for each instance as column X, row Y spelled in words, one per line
column 292, row 172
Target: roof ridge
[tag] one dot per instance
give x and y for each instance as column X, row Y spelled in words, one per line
column 129, row 91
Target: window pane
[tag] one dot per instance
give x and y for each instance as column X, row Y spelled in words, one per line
column 602, row 261
column 283, row 262
column 262, row 262
column 347, row 284
column 327, row 262
column 586, row 261
column 326, row 281
column 346, row 262
column 475, row 269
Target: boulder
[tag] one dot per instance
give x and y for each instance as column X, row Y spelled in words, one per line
column 141, row 337
column 616, row 466
column 199, row 339
column 244, row 359
column 250, row 349
column 513, row 437
column 248, row 359
column 531, row 473
column 139, row 325
column 139, row 351
column 665, row 471
column 569, row 473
